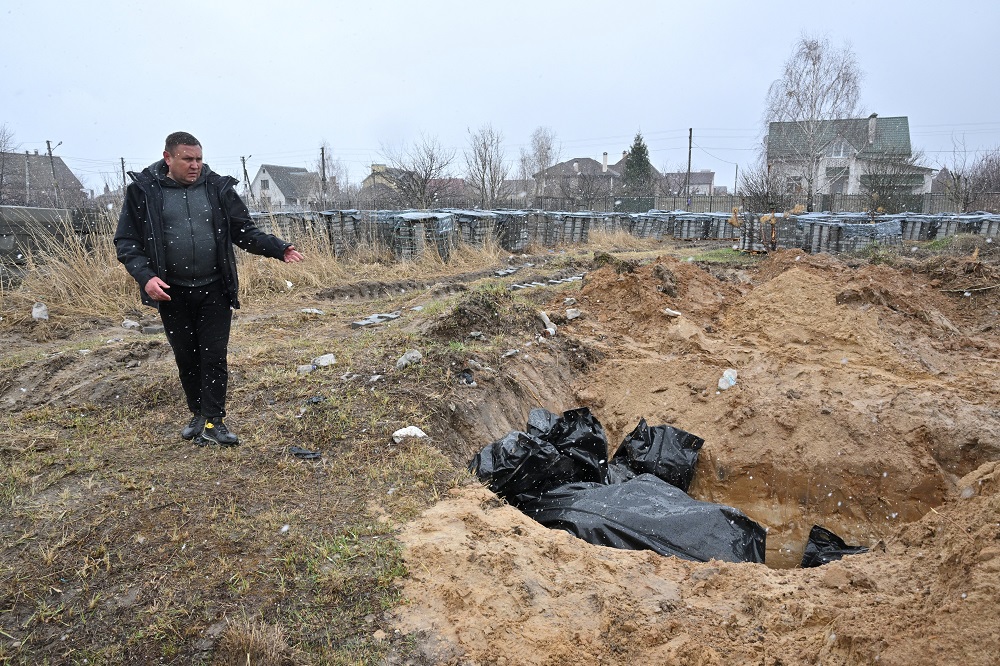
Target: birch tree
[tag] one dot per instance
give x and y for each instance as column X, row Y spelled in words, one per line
column 819, row 84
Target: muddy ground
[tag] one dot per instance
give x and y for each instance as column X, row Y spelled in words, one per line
column 866, row 402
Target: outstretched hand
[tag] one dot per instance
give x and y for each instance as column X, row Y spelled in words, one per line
column 292, row 255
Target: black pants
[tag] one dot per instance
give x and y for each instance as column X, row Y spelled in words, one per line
column 197, row 321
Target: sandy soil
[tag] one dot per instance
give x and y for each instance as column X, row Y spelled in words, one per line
column 866, row 402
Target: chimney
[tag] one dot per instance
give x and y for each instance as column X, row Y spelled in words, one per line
column 624, row 154
column 871, row 127
column 576, row 167
column 604, row 163
column 36, row 151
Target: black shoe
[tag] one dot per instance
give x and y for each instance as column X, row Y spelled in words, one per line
column 216, row 432
column 196, row 425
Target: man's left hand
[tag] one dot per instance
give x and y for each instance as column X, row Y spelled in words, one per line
column 292, row 255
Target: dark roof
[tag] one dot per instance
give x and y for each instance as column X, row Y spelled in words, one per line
column 293, row 182
column 38, row 189
column 586, row 166
column 890, row 136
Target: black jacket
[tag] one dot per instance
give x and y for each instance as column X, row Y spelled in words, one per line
column 139, row 237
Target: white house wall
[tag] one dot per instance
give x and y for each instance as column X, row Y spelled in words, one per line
column 274, row 194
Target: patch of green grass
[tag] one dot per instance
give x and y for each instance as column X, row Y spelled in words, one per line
column 939, row 244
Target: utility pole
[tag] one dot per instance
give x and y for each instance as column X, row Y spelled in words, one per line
column 52, row 163
column 246, row 179
column 124, row 181
column 736, row 179
column 687, row 179
column 322, row 176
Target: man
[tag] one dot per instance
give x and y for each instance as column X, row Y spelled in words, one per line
column 175, row 236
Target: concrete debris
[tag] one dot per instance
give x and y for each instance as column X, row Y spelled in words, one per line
column 325, row 360
column 411, row 357
column 379, row 318
column 550, row 328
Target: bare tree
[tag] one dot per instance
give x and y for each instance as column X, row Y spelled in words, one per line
column 970, row 180
column 486, row 166
column 419, row 175
column 672, row 180
column 818, row 84
column 585, row 189
column 888, row 182
column 762, row 191
column 7, row 147
column 544, row 154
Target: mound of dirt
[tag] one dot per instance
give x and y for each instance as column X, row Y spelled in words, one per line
column 861, row 402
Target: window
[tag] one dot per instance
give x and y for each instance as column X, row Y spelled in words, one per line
column 265, row 184
column 793, row 185
column 839, row 148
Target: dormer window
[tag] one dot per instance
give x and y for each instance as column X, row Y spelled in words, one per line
column 839, row 148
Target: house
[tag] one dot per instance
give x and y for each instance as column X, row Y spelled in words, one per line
column 283, row 188
column 676, row 183
column 38, row 180
column 580, row 177
column 845, row 156
column 391, row 187
column 382, row 176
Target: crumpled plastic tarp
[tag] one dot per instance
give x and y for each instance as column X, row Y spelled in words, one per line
column 824, row 547
column 558, row 473
column 647, row 513
column 667, row 452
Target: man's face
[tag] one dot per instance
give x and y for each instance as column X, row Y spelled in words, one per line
column 184, row 165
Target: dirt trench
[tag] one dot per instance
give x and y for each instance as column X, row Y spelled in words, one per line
column 863, row 404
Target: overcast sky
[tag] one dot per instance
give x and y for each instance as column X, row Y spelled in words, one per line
column 271, row 80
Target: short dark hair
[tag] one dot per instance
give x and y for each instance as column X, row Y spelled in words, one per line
column 179, row 139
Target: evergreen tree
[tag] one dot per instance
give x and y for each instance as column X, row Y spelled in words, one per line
column 638, row 176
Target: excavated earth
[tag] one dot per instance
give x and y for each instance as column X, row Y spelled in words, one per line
column 866, row 402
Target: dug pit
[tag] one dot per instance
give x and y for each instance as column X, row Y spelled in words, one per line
column 867, row 411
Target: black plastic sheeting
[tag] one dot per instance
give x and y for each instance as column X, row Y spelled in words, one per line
column 824, row 547
column 558, row 473
column 665, row 451
column 647, row 513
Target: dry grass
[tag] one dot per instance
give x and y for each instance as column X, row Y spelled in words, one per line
column 77, row 277
column 125, row 545
column 135, row 545
column 252, row 642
